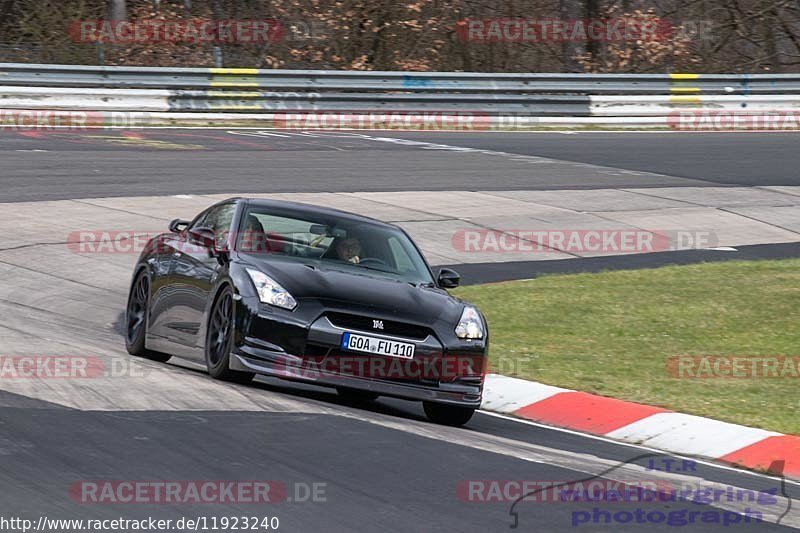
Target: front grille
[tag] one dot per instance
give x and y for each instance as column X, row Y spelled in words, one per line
column 390, row 327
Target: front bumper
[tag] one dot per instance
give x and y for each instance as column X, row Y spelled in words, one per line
column 284, row 345
column 449, row 393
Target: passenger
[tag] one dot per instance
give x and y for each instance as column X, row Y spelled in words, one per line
column 253, row 238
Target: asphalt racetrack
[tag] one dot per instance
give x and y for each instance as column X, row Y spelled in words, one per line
column 375, row 467
column 62, row 164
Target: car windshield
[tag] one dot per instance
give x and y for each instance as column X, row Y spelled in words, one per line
column 344, row 244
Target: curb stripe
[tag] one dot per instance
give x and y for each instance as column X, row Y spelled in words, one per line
column 743, row 446
column 761, row 455
column 586, row 412
column 694, row 435
column 506, row 395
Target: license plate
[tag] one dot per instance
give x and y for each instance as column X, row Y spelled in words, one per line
column 363, row 343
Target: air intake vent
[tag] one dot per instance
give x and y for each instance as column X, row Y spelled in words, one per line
column 362, row 323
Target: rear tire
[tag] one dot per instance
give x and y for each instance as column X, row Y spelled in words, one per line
column 355, row 395
column 136, row 321
column 447, row 415
column 219, row 339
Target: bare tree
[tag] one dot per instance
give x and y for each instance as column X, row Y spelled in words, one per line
column 701, row 35
column 117, row 10
column 572, row 10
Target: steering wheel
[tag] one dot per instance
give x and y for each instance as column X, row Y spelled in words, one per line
column 373, row 260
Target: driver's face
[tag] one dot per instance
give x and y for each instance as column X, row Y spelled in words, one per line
column 349, row 250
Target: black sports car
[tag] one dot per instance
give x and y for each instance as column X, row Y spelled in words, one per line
column 308, row 293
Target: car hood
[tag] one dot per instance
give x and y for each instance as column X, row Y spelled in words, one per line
column 370, row 290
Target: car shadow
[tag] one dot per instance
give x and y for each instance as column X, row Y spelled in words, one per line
column 309, row 391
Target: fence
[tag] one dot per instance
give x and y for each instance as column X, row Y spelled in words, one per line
column 236, row 96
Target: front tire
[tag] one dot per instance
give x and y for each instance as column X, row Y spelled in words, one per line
column 136, row 321
column 219, row 339
column 447, row 415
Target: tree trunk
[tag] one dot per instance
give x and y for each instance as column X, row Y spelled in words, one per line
column 571, row 10
column 770, row 23
column 592, row 12
column 117, row 10
column 6, row 16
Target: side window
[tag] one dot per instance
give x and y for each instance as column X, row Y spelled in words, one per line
column 401, row 259
column 199, row 222
column 218, row 219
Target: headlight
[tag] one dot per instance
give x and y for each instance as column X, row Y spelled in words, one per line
column 470, row 326
column 270, row 292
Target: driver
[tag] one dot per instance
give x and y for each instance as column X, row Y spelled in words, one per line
column 349, row 250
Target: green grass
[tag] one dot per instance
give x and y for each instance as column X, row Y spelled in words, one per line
column 611, row 334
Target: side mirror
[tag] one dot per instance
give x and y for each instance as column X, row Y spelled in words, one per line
column 204, row 237
column 178, row 225
column 448, row 279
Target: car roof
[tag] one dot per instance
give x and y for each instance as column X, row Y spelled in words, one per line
column 308, row 209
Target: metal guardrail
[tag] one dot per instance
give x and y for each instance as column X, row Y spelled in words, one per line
column 258, row 93
column 378, row 81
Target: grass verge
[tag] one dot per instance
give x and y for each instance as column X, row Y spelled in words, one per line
column 613, row 333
